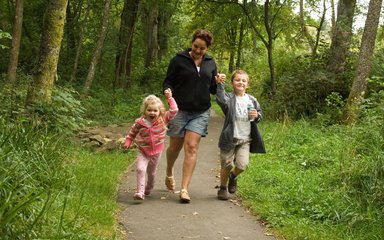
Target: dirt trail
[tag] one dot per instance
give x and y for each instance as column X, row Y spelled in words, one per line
column 160, row 216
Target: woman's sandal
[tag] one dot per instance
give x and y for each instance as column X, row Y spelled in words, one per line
column 170, row 183
column 184, row 196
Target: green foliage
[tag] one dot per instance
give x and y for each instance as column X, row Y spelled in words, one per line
column 64, row 114
column 104, row 106
column 333, row 110
column 319, row 183
column 4, row 35
column 303, row 88
column 32, row 176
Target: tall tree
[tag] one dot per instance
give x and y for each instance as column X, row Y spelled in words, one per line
column 312, row 42
column 367, row 47
column 342, row 36
column 97, row 52
column 166, row 11
column 124, row 51
column 333, row 18
column 272, row 28
column 150, row 27
column 82, row 26
column 231, row 31
column 45, row 71
column 240, row 43
column 16, row 38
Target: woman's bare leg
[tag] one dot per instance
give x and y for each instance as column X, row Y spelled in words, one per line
column 191, row 146
column 173, row 150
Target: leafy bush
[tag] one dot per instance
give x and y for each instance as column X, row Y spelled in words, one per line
column 303, row 85
column 64, row 114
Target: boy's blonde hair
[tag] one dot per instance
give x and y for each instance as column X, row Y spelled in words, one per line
column 149, row 100
column 239, row 72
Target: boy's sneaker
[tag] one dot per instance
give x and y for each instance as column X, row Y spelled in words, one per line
column 222, row 194
column 232, row 183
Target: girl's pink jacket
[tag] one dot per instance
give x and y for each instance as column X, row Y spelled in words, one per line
column 150, row 138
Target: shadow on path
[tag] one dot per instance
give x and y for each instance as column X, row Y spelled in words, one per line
column 160, row 216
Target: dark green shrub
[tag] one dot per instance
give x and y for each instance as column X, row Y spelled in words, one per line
column 64, row 114
column 303, row 84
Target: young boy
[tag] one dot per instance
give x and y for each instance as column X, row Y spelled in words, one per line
column 240, row 134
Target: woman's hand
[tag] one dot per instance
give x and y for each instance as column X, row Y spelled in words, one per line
column 220, row 78
column 168, row 93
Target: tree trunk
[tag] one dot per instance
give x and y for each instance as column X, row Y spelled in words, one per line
column 16, row 38
column 150, row 26
column 268, row 43
column 166, row 10
column 232, row 33
column 304, row 28
column 70, row 32
column 269, row 46
column 79, row 45
column 333, row 18
column 123, row 56
column 367, row 47
column 240, row 44
column 97, row 52
column 45, row 72
column 342, row 37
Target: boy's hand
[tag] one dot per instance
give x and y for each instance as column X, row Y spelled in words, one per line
column 168, row 93
column 220, row 78
column 253, row 114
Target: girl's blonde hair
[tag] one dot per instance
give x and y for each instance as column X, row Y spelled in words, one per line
column 149, row 100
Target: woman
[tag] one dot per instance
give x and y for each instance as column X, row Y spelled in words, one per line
column 191, row 77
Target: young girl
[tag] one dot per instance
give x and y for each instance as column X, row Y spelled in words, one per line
column 149, row 130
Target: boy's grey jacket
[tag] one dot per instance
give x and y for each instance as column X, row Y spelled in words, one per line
column 227, row 102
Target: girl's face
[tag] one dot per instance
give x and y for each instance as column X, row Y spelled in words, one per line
column 152, row 112
column 240, row 84
column 199, row 48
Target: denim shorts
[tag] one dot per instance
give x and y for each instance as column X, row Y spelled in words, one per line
column 193, row 121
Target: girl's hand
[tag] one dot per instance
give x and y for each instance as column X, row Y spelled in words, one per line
column 168, row 93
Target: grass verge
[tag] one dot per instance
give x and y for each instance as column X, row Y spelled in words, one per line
column 317, row 183
column 93, row 202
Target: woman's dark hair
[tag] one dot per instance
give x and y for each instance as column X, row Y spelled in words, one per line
column 204, row 35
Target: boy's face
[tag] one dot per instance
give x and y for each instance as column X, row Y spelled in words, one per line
column 240, row 83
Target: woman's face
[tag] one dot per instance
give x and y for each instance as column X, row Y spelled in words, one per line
column 199, row 48
column 152, row 112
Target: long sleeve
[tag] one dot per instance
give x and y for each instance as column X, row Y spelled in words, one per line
column 173, row 109
column 133, row 131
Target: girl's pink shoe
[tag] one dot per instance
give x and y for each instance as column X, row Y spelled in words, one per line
column 138, row 196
